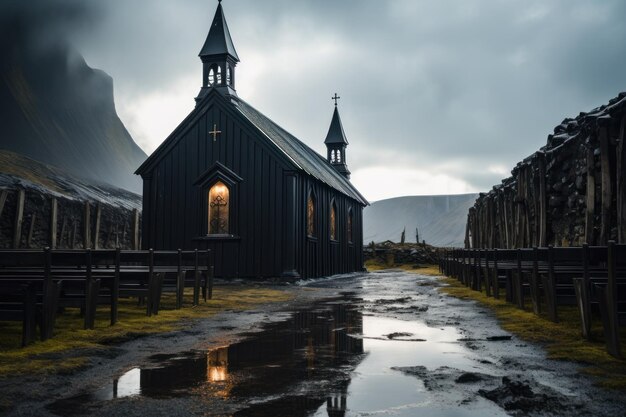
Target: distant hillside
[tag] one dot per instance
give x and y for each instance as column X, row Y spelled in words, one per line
column 57, row 110
column 440, row 219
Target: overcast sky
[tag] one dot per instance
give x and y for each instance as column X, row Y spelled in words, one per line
column 437, row 96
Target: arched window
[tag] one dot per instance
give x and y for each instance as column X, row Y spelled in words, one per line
column 219, row 199
column 228, row 76
column 338, row 157
column 310, row 215
column 350, row 226
column 333, row 221
column 219, row 76
column 211, row 77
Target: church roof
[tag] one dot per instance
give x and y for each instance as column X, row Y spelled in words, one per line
column 299, row 153
column 335, row 132
column 218, row 41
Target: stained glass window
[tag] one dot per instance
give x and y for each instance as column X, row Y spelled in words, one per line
column 219, row 198
column 310, row 215
column 333, row 222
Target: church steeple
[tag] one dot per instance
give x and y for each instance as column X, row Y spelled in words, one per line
column 336, row 143
column 219, row 58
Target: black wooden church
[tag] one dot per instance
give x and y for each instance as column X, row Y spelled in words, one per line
column 230, row 179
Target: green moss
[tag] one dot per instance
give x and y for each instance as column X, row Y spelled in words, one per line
column 373, row 265
column 562, row 340
column 70, row 346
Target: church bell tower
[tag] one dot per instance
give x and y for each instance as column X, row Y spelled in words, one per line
column 219, row 58
column 336, row 143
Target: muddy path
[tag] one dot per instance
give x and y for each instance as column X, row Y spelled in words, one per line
column 380, row 344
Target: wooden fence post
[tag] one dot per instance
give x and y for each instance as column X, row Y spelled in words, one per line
column 53, row 223
column 31, row 230
column 96, row 234
column 605, row 159
column 621, row 184
column 591, row 197
column 136, row 229
column 87, row 226
column 3, row 199
column 543, row 202
column 19, row 218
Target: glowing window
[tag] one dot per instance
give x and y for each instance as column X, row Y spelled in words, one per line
column 310, row 215
column 219, row 198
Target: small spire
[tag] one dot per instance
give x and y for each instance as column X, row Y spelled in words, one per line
column 335, row 132
column 218, row 41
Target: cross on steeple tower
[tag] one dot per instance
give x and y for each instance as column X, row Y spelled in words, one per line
column 219, row 58
column 336, row 143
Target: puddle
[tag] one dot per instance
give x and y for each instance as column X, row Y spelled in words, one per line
column 335, row 359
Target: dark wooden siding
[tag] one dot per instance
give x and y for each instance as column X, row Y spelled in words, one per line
column 176, row 210
column 320, row 256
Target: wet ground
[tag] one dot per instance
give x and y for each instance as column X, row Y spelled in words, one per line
column 379, row 344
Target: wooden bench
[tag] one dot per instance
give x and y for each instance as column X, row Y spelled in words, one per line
column 35, row 284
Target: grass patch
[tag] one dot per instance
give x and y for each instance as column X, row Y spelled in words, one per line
column 71, row 345
column 374, row 265
column 562, row 340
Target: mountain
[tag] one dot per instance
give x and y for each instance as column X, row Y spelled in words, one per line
column 57, row 110
column 440, row 219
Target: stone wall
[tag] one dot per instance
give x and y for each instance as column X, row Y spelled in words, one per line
column 570, row 192
column 390, row 254
column 32, row 218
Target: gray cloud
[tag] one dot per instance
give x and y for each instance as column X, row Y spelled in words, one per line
column 447, row 86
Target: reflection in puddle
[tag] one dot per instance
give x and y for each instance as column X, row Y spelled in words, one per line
column 312, row 364
column 317, row 348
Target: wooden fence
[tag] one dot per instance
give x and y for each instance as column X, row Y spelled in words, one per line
column 36, row 284
column 592, row 278
column 572, row 191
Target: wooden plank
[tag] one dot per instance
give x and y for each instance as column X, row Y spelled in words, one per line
column 591, row 198
column 605, row 160
column 53, row 223
column 135, row 243
column 115, row 289
column 3, row 199
column 19, row 218
column 73, row 238
column 31, row 230
column 612, row 330
column 87, row 226
column 96, row 233
column 543, row 203
column 621, row 183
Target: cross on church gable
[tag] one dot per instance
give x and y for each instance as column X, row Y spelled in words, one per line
column 215, row 132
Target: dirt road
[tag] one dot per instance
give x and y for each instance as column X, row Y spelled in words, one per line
column 379, row 344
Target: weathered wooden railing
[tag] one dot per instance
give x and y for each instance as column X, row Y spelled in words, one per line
column 35, row 284
column 588, row 277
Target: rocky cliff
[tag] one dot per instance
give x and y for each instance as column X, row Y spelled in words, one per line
column 57, row 110
column 570, row 192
